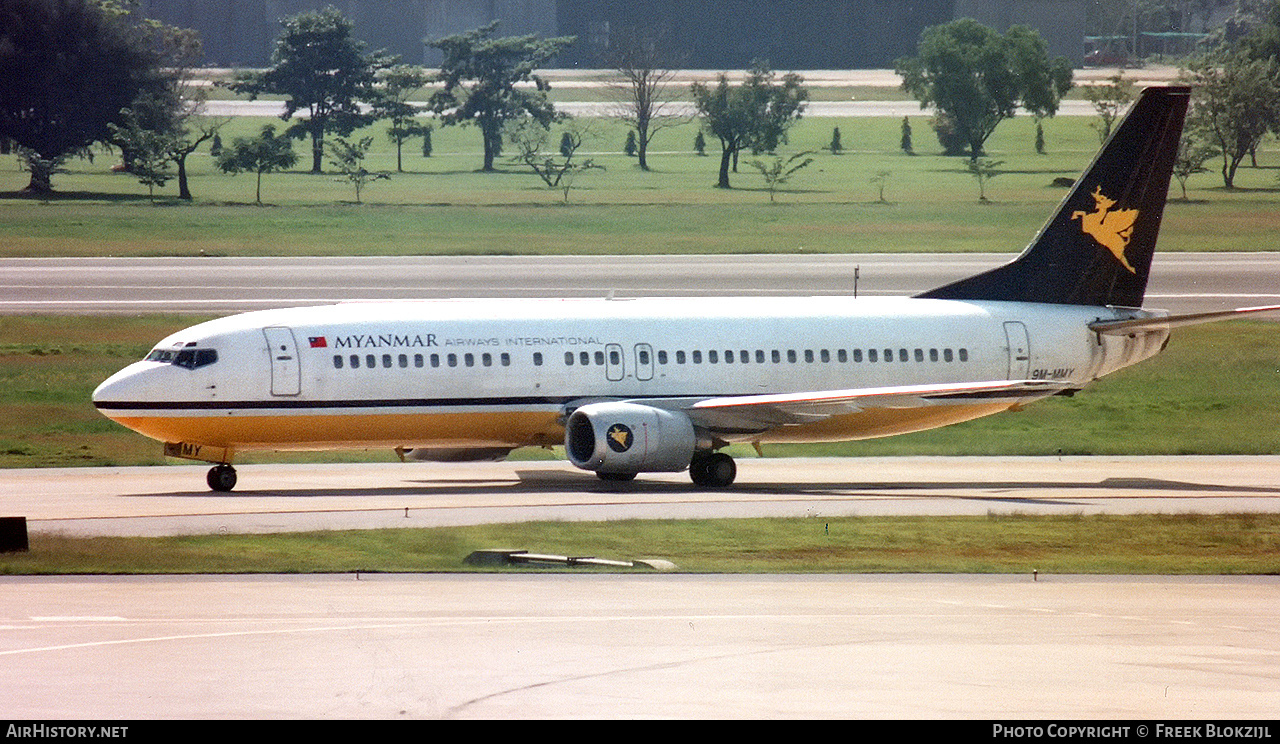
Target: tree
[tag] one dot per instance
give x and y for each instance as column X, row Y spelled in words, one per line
column 265, row 154
column 778, row 171
column 1237, row 100
column 529, row 138
column 1192, row 155
column 480, row 74
column 647, row 102
column 881, row 181
column 348, row 158
column 983, row 170
column 978, row 77
column 398, row 83
column 1110, row 101
column 68, row 68
column 151, row 151
column 323, row 71
column 1263, row 41
column 175, row 112
column 755, row 115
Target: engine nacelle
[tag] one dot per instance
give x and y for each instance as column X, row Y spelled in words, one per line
column 629, row 438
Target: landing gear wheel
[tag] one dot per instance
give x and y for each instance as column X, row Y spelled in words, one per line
column 616, row 477
column 221, row 478
column 713, row 471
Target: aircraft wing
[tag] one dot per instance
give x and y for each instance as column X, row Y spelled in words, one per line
column 740, row 414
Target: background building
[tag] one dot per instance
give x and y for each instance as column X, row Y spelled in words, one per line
column 703, row 34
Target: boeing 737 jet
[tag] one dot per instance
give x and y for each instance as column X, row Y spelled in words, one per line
column 651, row 385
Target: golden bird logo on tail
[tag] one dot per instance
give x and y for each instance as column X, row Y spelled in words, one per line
column 1110, row 227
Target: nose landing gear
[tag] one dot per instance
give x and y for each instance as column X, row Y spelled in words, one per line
column 221, row 478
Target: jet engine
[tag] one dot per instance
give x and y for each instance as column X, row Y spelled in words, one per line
column 621, row 439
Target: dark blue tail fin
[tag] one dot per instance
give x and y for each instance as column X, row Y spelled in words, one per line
column 1097, row 249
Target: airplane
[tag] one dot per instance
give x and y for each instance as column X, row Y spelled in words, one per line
column 632, row 386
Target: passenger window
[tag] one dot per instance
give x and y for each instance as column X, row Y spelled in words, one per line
column 842, row 355
column 568, row 358
column 404, row 361
column 337, row 361
column 902, row 355
column 679, row 357
column 599, row 358
column 615, row 357
column 435, row 360
column 824, row 355
column 486, row 359
column 370, row 361
column 537, row 358
column 644, row 356
column 919, row 355
column 697, row 357
column 933, row 355
column 808, row 355
column 469, row 359
column 791, row 355
column 418, row 361
column 946, row 355
column 857, row 355
column 355, row 361
column 872, row 355
column 964, row 355
column 776, row 356
column 452, row 360
column 888, row 355
column 759, row 356
column 584, row 358
column 713, row 357
column 662, row 357
column 506, row 359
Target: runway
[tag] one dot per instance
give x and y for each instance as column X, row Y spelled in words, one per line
column 287, row 498
column 1180, row 282
column 629, row 647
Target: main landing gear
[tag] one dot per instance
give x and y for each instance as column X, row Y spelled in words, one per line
column 707, row 469
column 221, row 478
column 712, row 470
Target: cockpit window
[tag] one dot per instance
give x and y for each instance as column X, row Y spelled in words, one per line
column 185, row 358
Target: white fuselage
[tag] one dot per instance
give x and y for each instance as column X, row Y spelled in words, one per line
column 502, row 373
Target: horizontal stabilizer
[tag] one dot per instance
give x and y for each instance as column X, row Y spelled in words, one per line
column 1121, row 327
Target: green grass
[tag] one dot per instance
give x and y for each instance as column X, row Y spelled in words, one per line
column 1075, row 544
column 444, row 206
column 1213, row 391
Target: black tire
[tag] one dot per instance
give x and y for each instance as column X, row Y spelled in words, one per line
column 713, row 471
column 221, row 478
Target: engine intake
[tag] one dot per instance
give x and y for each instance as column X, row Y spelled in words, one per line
column 629, row 438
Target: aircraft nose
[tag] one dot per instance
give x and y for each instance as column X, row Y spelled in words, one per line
column 127, row 385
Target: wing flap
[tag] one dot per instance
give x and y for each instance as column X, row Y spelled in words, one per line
column 757, row 413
